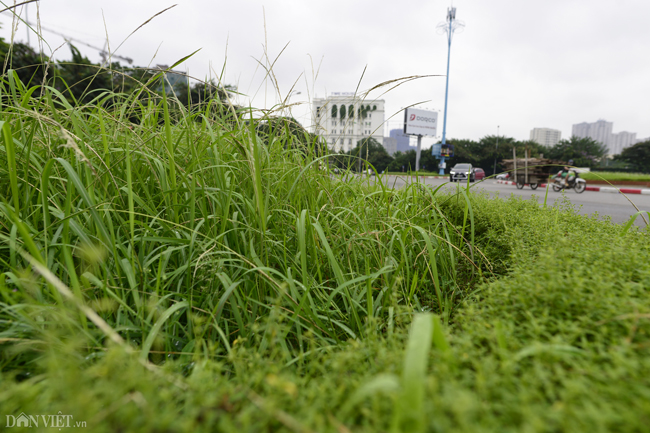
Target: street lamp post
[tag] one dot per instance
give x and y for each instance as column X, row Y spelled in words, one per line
column 295, row 92
column 448, row 27
column 285, row 104
column 496, row 153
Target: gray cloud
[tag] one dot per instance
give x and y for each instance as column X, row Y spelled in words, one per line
column 518, row 64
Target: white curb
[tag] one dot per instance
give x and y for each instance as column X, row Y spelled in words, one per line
column 608, row 189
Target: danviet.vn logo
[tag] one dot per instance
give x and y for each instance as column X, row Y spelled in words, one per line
column 56, row 421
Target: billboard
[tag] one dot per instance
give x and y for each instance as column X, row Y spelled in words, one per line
column 420, row 122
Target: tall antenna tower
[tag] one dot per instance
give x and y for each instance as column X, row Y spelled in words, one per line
column 449, row 27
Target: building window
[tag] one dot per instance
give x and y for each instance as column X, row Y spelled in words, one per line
column 350, row 141
column 334, row 110
column 351, row 111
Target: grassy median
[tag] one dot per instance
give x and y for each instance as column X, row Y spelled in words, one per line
column 168, row 270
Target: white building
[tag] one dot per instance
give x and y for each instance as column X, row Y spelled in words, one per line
column 343, row 119
column 546, row 136
column 621, row 140
column 600, row 131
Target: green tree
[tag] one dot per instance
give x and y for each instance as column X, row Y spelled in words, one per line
column 585, row 152
column 81, row 79
column 201, row 95
column 637, row 156
column 405, row 160
column 372, row 151
column 28, row 64
column 428, row 162
column 490, row 150
column 493, row 149
column 291, row 134
column 465, row 151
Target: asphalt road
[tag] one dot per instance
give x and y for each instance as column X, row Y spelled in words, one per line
column 617, row 206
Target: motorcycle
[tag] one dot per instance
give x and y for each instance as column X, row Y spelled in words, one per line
column 574, row 181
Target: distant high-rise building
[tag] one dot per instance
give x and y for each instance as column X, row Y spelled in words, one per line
column 390, row 144
column 621, row 140
column 601, row 131
column 403, row 140
column 546, row 136
column 344, row 119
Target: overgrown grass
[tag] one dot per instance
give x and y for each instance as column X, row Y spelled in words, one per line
column 560, row 343
column 193, row 272
column 185, row 230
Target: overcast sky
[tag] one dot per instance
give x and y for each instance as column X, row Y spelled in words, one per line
column 517, row 64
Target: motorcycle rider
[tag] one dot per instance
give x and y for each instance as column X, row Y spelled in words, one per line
column 565, row 174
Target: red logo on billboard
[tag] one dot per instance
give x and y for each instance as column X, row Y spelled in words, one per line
column 412, row 117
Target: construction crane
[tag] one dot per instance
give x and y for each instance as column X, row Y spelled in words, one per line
column 103, row 53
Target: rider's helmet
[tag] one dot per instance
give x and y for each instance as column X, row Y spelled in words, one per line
column 570, row 162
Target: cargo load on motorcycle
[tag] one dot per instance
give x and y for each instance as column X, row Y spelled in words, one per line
column 533, row 172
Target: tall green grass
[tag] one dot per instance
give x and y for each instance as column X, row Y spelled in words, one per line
column 559, row 343
column 189, row 232
column 173, row 270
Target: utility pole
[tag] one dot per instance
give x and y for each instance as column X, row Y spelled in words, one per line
column 496, row 152
column 367, row 150
column 448, row 27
